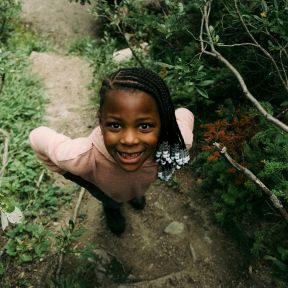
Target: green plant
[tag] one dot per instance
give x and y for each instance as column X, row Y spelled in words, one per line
column 20, row 110
column 2, row 268
column 24, row 41
column 28, row 242
column 69, row 234
column 9, row 10
column 23, row 183
column 174, row 183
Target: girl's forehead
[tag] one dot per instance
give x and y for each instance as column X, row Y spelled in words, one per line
column 129, row 101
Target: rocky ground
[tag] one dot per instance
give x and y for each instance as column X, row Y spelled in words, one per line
column 172, row 242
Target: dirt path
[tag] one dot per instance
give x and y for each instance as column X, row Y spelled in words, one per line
column 194, row 254
column 58, row 21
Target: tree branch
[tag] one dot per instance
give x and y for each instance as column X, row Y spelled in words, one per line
column 217, row 55
column 273, row 198
column 235, row 45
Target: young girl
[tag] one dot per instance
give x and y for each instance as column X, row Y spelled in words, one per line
column 140, row 137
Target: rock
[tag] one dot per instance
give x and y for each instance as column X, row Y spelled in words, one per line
column 174, row 228
column 131, row 277
column 121, row 55
column 102, row 256
column 207, row 239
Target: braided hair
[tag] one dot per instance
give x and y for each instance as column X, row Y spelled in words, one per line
column 171, row 150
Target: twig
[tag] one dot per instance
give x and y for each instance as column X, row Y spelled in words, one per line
column 217, row 55
column 2, row 82
column 38, row 183
column 282, row 113
column 192, row 251
column 75, row 213
column 5, row 153
column 162, row 281
column 40, row 179
column 235, row 45
column 273, row 198
column 59, row 266
column 82, row 192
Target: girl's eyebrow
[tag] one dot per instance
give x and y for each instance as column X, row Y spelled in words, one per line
column 148, row 118
column 138, row 119
column 111, row 116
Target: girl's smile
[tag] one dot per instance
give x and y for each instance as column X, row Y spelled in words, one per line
column 130, row 124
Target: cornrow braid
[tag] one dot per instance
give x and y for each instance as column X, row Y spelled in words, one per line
column 171, row 151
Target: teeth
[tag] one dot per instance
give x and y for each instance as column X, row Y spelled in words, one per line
column 129, row 155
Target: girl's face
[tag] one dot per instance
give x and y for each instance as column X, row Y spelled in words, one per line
column 130, row 125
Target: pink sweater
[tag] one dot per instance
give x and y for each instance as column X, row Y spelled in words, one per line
column 87, row 157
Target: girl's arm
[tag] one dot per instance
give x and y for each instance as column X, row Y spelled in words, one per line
column 185, row 121
column 60, row 153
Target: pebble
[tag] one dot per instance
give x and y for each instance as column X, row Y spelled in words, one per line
column 174, row 228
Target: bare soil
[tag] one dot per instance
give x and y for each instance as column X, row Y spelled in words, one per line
column 144, row 256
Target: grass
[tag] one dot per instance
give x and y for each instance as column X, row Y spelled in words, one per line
column 25, row 184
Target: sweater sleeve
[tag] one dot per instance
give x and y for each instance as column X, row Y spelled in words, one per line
column 60, row 153
column 185, row 121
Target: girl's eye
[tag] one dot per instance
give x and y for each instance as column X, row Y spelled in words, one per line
column 145, row 126
column 114, row 126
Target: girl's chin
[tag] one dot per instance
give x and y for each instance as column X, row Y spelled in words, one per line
column 129, row 169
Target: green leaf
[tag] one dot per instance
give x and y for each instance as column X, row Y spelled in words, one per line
column 41, row 249
column 25, row 258
column 281, row 265
column 162, row 64
column 10, row 248
column 2, row 269
column 283, row 252
column 180, row 7
column 206, row 83
column 202, row 92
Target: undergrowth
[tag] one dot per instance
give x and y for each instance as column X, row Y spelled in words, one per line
column 24, row 183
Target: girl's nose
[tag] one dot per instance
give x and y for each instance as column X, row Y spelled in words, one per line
column 129, row 137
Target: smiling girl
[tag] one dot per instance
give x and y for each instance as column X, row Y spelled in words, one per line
column 140, row 137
